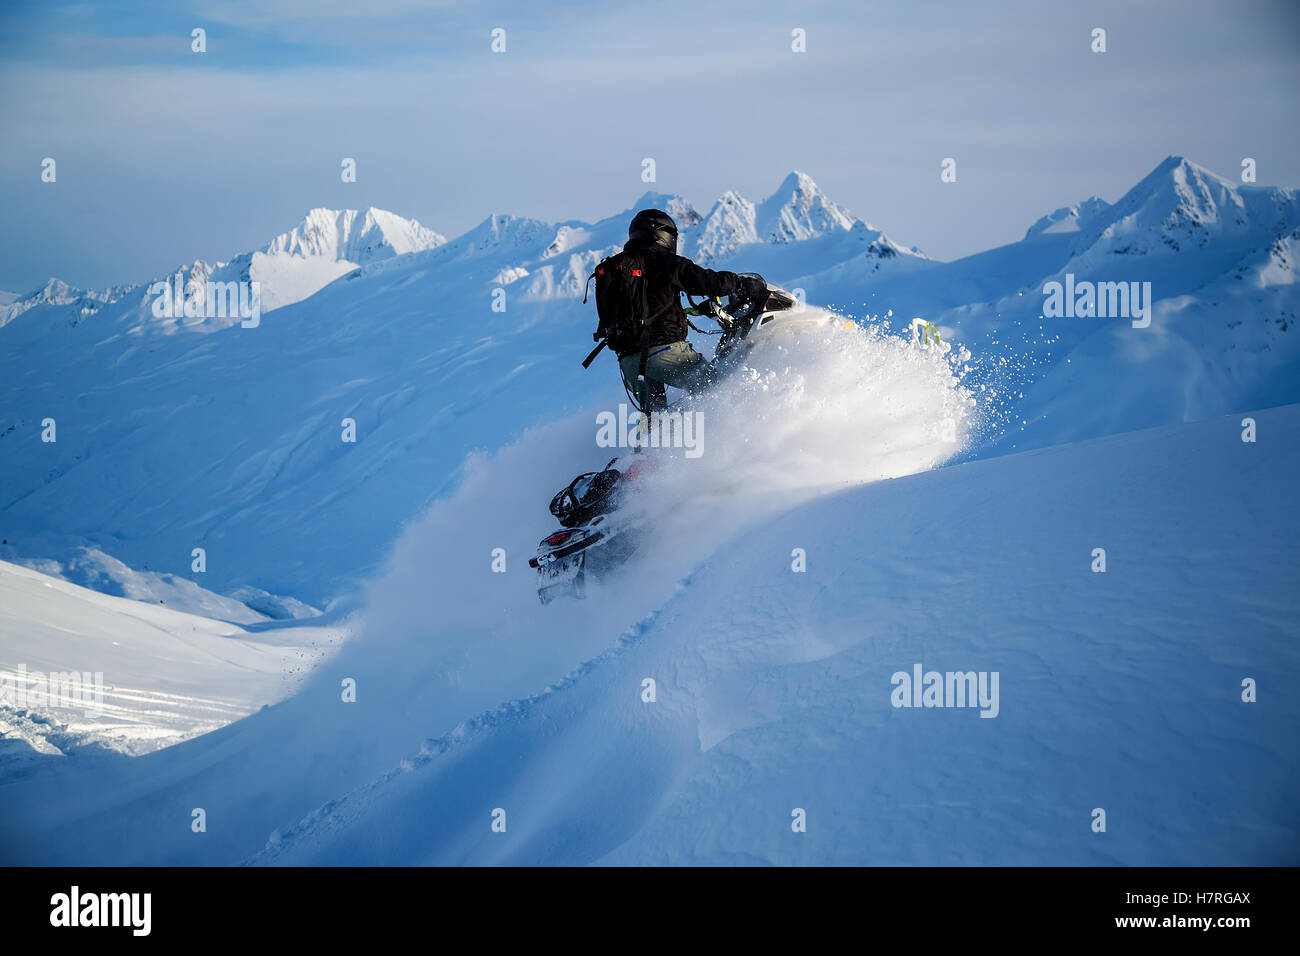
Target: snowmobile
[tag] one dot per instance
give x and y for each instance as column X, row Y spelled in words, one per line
column 598, row 530
column 597, row 533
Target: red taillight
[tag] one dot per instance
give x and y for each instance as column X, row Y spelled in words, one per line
column 558, row 537
column 636, row 272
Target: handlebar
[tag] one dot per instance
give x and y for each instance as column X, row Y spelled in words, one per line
column 746, row 306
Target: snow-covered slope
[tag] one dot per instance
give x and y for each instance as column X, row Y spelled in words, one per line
column 1075, row 218
column 773, row 688
column 429, row 654
column 1116, row 690
column 146, row 675
column 232, row 440
column 92, row 568
column 1217, row 260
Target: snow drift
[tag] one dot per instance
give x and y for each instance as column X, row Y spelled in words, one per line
column 146, row 675
column 805, row 416
column 1120, row 691
column 442, row 637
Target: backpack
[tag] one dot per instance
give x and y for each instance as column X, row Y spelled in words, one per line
column 624, row 319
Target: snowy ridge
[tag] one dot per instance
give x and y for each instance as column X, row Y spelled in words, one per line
column 768, row 694
column 1182, row 206
column 410, row 347
column 355, row 237
column 799, row 210
column 166, row 675
column 92, row 568
column 1074, row 218
column 291, row 267
column 57, row 292
column 730, row 224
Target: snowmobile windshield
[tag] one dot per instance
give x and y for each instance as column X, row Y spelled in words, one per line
column 778, row 300
column 745, row 310
column 581, row 486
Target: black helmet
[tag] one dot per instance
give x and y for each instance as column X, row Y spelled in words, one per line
column 655, row 227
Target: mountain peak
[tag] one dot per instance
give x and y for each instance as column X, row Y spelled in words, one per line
column 799, row 183
column 1181, row 206
column 684, row 214
column 799, row 210
column 52, row 292
column 349, row 235
column 1182, row 171
column 652, row 200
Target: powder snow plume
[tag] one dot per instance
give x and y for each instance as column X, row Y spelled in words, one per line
column 804, row 415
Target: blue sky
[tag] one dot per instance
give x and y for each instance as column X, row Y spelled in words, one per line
column 165, row 156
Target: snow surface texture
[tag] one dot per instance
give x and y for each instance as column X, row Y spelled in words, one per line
column 94, row 569
column 166, row 676
column 1118, row 690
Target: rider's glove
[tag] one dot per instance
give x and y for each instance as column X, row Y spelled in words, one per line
column 752, row 287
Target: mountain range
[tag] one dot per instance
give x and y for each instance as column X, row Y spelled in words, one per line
column 176, row 433
column 321, row 626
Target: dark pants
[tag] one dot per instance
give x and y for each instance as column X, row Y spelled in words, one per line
column 676, row 364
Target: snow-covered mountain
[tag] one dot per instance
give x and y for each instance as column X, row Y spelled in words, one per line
column 351, row 236
column 1219, row 259
column 378, row 445
column 327, row 244
column 1180, row 205
column 409, row 345
column 798, row 231
column 797, row 211
column 233, row 439
column 82, row 302
column 1073, row 218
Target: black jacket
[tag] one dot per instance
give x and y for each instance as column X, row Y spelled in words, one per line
column 668, row 275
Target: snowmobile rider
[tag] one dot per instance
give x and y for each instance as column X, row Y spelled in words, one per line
column 661, row 344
